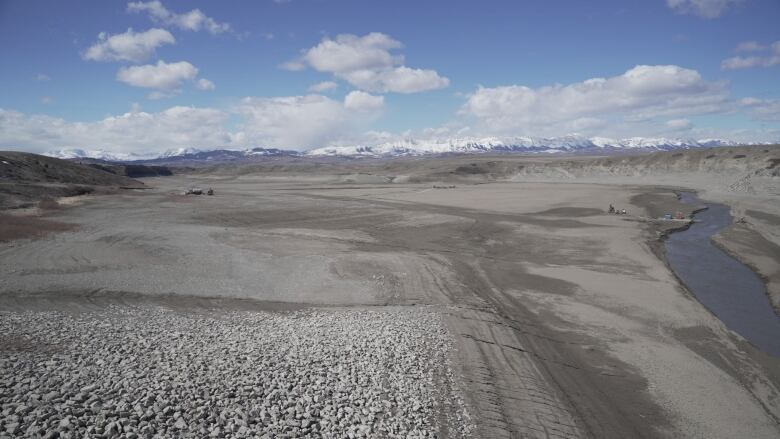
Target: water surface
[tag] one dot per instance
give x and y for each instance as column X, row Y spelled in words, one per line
column 728, row 288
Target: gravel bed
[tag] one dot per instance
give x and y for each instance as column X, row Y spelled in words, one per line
column 148, row 371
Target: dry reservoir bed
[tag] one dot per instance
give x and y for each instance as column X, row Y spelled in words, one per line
column 150, row 371
column 564, row 322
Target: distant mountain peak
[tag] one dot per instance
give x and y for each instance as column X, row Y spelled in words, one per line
column 563, row 144
column 173, row 155
column 178, row 152
column 414, row 147
column 76, row 153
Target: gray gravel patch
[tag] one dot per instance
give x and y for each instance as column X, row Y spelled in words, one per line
column 148, row 371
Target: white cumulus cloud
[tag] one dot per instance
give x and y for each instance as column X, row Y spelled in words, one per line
column 740, row 62
column 348, row 53
column 293, row 122
column 128, row 46
column 205, row 84
column 770, row 57
column 132, row 132
column 766, row 110
column 302, row 122
column 398, row 79
column 679, row 124
column 157, row 94
column 641, row 93
column 750, row 46
column 297, row 122
column 361, row 101
column 193, row 20
column 323, row 86
column 367, row 63
column 702, row 8
column 162, row 76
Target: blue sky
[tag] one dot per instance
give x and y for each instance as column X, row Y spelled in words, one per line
column 142, row 76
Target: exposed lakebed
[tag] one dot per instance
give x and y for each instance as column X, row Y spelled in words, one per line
column 728, row 288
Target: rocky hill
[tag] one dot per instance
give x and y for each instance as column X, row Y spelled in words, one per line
column 752, row 169
column 26, row 178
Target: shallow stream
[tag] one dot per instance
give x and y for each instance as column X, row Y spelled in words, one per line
column 728, row 288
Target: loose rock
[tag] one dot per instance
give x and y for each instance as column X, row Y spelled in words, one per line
column 146, row 371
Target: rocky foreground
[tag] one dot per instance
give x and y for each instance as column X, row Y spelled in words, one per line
column 148, row 371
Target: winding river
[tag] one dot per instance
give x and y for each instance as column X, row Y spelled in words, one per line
column 728, row 288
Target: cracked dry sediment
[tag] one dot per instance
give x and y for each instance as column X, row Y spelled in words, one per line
column 149, row 371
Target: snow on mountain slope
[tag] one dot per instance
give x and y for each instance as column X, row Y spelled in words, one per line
column 412, row 147
column 417, row 147
column 95, row 154
column 178, row 154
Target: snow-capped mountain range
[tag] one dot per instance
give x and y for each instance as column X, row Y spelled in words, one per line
column 173, row 155
column 414, row 147
column 551, row 145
